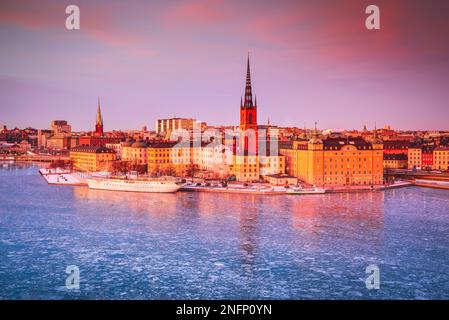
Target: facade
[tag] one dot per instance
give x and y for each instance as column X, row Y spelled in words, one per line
column 441, row 158
column 414, row 157
column 159, row 158
column 60, row 127
column 135, row 152
column 396, row 147
column 172, row 124
column 395, row 161
column 246, row 168
column 335, row 161
column 62, row 141
column 421, row 157
column 117, row 147
column 281, row 179
column 88, row 158
column 427, row 158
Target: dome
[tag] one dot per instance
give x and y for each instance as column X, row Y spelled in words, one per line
column 128, row 143
column 139, row 144
column 315, row 140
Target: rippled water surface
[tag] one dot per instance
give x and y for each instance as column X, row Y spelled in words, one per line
column 200, row 245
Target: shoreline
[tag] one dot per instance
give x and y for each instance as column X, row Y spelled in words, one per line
column 63, row 177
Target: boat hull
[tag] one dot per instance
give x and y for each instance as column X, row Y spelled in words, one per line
column 133, row 185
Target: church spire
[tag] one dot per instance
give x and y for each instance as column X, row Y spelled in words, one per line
column 248, row 103
column 99, row 121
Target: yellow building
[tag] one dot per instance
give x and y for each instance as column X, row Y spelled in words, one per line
column 395, row 161
column 245, row 168
column 135, row 152
column 271, row 165
column 335, row 161
column 441, row 158
column 414, row 157
column 90, row 158
column 170, row 158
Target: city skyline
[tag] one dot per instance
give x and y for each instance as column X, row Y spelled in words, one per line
column 310, row 62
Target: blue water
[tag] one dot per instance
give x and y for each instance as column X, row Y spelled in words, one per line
column 210, row 246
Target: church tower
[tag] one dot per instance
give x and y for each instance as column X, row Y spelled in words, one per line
column 248, row 117
column 248, row 109
column 99, row 122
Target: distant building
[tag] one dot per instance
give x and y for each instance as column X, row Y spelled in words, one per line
column 99, row 122
column 60, row 127
column 98, row 137
column 42, row 137
column 172, row 124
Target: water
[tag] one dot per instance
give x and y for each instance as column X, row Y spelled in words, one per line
column 210, row 246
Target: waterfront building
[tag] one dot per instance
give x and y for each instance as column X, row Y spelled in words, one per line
column 396, row 147
column 441, row 158
column 395, row 161
column 91, row 158
column 135, row 152
column 168, row 158
column 117, row 147
column 335, row 161
column 246, row 168
column 281, row 179
column 215, row 158
column 414, row 157
column 427, row 158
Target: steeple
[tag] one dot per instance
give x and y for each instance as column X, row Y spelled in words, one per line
column 248, row 103
column 99, row 121
column 99, row 118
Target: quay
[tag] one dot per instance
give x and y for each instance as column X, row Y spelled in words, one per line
column 33, row 158
column 63, row 177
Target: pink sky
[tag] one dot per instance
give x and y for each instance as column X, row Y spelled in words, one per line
column 311, row 61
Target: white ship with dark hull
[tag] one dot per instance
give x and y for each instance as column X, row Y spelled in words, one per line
column 158, row 185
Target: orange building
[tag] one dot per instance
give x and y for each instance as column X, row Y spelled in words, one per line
column 88, row 158
column 335, row 161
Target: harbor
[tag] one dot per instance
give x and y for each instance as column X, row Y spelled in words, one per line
column 63, row 177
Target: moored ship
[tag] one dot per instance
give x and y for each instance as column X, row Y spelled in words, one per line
column 141, row 184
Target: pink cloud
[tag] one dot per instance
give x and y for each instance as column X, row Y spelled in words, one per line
column 100, row 23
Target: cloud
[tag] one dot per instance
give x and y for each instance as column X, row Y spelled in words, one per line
column 99, row 22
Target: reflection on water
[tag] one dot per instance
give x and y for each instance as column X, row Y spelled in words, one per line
column 203, row 245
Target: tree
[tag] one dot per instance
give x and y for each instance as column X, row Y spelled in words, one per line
column 120, row 166
column 191, row 171
column 169, row 171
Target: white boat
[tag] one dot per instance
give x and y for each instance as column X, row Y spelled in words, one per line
column 141, row 184
column 306, row 191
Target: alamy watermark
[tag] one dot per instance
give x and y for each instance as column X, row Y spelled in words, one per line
column 72, row 282
column 373, row 279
